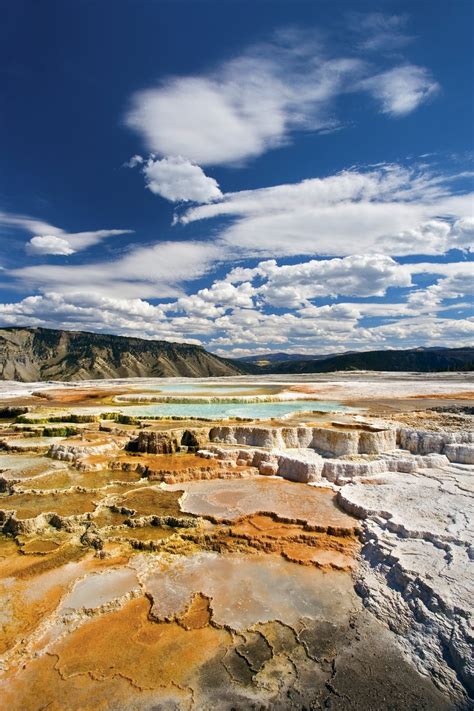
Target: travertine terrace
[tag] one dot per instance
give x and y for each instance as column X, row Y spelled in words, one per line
column 309, row 546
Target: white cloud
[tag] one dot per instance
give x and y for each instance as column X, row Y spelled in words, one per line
column 254, row 102
column 292, row 286
column 210, row 121
column 235, row 318
column 358, row 275
column 216, row 300
column 49, row 244
column 337, row 327
column 69, row 243
column 390, row 209
column 89, row 311
column 29, row 224
column 458, row 283
column 239, row 311
column 402, row 89
column 433, row 331
column 148, row 272
column 463, row 232
column 178, row 179
column 48, row 239
column 379, row 31
column 134, row 161
column 356, row 219
column 348, row 186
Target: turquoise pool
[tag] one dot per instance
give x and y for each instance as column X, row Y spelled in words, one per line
column 220, row 389
column 259, row 410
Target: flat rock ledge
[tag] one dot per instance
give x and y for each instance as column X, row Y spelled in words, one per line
column 326, row 441
column 307, row 466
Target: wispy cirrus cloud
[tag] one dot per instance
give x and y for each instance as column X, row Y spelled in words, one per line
column 156, row 271
column 379, row 31
column 50, row 240
column 390, row 208
column 255, row 101
column 401, row 90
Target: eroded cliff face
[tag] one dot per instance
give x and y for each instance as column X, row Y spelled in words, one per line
column 34, row 354
column 329, row 441
column 457, row 446
column 395, row 444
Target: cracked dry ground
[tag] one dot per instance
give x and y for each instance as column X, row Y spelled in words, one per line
column 121, row 593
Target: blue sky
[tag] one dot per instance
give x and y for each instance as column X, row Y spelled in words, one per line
column 252, row 176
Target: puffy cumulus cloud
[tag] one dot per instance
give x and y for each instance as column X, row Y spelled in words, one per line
column 270, row 306
column 216, row 300
column 92, row 312
column 243, row 327
column 457, row 285
column 358, row 275
column 402, row 89
column 82, row 310
column 431, row 237
column 48, row 239
column 49, row 244
column 232, row 317
column 330, row 329
column 291, row 286
column 439, row 331
column 178, row 179
column 156, row 271
column 389, row 209
column 254, row 102
column 463, row 232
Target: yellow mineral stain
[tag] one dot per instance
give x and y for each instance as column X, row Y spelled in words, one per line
column 40, row 686
column 198, row 614
column 152, row 502
column 127, row 643
column 293, row 541
column 31, row 505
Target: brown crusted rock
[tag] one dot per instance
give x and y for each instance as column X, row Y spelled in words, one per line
column 154, row 443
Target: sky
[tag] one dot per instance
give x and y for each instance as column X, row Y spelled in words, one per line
column 255, row 177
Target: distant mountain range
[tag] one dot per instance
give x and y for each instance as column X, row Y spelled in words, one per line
column 263, row 360
column 421, row 360
column 32, row 354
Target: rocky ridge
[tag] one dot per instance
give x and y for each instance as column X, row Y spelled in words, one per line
column 34, row 354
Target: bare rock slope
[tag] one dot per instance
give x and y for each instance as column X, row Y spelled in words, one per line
column 32, row 354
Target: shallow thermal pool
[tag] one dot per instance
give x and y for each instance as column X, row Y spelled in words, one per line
column 212, row 388
column 253, row 410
